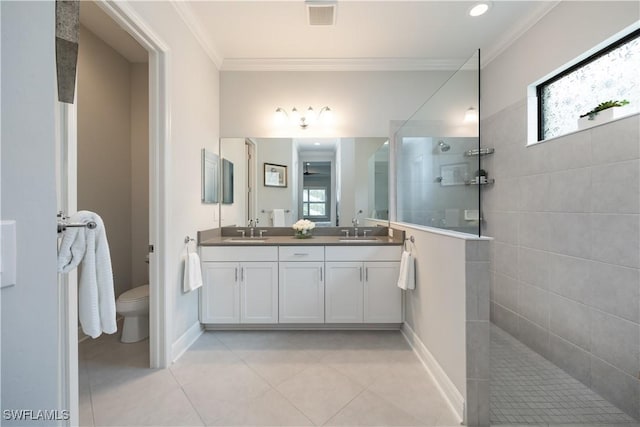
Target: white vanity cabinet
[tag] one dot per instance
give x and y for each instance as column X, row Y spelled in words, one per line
column 301, row 283
column 361, row 284
column 240, row 285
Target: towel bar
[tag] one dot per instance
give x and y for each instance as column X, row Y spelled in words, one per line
column 263, row 211
column 62, row 226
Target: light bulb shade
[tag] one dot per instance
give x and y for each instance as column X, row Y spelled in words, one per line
column 471, row 115
column 479, row 9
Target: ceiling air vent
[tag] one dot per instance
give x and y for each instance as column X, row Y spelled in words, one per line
column 321, row 12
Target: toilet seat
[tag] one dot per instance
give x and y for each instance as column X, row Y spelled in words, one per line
column 135, row 294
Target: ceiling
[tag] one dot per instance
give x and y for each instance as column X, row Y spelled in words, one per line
column 419, row 34
column 368, row 35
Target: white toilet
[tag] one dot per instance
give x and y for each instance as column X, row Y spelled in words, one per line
column 133, row 305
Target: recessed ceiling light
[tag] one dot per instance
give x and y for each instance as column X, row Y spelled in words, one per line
column 316, row 143
column 479, row 9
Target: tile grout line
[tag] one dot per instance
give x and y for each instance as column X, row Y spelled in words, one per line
column 187, row 397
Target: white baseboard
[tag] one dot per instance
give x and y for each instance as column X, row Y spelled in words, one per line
column 183, row 343
column 444, row 384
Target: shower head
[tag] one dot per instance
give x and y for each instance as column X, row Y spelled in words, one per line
column 443, row 146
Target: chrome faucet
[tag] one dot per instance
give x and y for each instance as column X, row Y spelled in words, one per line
column 253, row 223
column 355, row 223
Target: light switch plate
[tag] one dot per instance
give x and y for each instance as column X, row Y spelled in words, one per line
column 8, row 253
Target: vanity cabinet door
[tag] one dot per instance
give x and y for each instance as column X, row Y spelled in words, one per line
column 343, row 292
column 259, row 292
column 301, row 294
column 382, row 297
column 220, row 297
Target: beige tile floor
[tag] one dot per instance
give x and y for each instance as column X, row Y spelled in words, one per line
column 265, row 378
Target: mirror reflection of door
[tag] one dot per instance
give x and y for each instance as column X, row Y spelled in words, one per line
column 316, row 191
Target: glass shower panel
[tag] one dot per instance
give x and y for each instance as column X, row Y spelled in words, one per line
column 438, row 171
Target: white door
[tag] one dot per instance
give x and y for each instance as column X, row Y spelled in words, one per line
column 220, row 298
column 382, row 297
column 259, row 292
column 301, row 295
column 344, row 292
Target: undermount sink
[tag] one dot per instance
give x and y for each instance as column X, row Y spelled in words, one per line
column 245, row 240
column 358, row 239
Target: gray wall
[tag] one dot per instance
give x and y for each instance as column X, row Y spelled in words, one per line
column 29, row 309
column 566, row 223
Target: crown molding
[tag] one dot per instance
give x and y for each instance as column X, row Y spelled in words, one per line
column 510, row 37
column 340, row 64
column 197, row 29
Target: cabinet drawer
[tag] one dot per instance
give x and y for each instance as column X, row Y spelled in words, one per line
column 245, row 253
column 301, row 253
column 363, row 253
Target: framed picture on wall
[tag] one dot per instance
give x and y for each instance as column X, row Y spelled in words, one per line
column 275, row 175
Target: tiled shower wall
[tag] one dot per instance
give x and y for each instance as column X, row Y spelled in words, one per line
column 565, row 216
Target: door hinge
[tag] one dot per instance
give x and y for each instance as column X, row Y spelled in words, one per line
column 151, row 249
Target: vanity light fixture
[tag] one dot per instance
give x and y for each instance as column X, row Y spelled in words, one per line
column 479, row 9
column 303, row 119
column 471, row 115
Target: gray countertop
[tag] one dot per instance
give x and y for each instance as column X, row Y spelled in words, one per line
column 292, row 241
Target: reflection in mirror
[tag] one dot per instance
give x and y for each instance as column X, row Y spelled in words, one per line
column 328, row 180
column 210, row 166
column 227, row 182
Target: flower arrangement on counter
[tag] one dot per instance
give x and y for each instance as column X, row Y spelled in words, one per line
column 303, row 228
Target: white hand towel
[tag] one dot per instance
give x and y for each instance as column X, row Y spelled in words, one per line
column 278, row 217
column 407, row 276
column 90, row 249
column 192, row 272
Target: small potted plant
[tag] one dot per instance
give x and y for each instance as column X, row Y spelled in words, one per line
column 601, row 113
column 303, row 228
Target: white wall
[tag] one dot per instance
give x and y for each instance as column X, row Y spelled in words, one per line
column 571, row 28
column 194, row 96
column 29, row 310
column 363, row 103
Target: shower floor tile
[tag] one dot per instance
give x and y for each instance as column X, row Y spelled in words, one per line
column 526, row 388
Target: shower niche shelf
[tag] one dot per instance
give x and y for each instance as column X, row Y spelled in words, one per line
column 479, row 152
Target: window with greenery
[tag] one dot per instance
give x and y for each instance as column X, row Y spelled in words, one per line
column 314, row 202
column 609, row 75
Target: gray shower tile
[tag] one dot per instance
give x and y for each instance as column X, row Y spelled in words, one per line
column 616, row 341
column 570, row 191
column 617, row 387
column 533, row 267
column 570, row 234
column 505, row 291
column 616, row 239
column 505, row 318
column 507, row 197
column 478, row 250
column 533, row 304
column 533, row 336
column 616, row 188
column 477, row 349
column 534, row 159
column 570, row 151
column 569, row 276
column 502, row 226
column 616, row 141
column 571, row 358
column 534, row 191
column 506, row 162
column 478, row 282
column 506, row 259
column 533, row 230
column 615, row 290
column 569, row 320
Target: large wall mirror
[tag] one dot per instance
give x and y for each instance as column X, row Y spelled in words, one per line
column 327, row 180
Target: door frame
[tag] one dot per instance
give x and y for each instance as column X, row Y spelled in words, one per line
column 160, row 299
